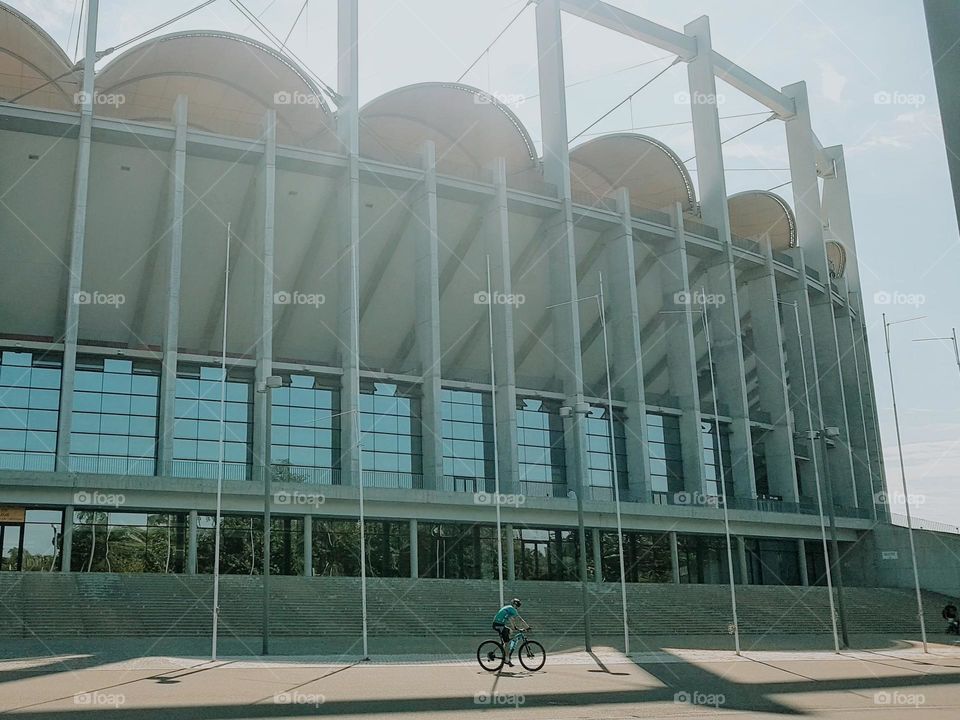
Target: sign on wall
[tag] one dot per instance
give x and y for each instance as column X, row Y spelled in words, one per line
column 889, row 555
column 12, row 515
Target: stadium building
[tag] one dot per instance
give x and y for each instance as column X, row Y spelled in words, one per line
column 360, row 331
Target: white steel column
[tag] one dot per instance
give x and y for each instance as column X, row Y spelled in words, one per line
column 772, row 380
column 720, row 278
column 623, row 318
column 168, row 376
column 348, row 226
column 426, row 240
column 78, row 226
column 806, row 195
column 414, row 549
column 681, row 354
column 264, row 347
column 496, row 229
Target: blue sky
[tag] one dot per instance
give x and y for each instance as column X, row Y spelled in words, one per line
column 869, row 74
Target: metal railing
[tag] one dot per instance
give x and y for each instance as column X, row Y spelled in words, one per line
column 923, row 524
column 39, row 462
column 536, row 488
column 112, row 465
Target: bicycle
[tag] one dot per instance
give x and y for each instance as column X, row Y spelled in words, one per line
column 491, row 654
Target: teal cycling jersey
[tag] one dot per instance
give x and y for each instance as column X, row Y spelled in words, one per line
column 504, row 614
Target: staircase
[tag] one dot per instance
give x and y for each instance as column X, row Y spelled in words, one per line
column 103, row 605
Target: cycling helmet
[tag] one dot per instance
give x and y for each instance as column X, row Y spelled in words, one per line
column 516, row 602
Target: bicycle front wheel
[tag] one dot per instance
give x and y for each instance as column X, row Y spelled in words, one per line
column 490, row 655
column 532, row 655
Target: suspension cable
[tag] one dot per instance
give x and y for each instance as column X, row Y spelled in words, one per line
column 499, row 35
column 625, row 100
column 742, row 132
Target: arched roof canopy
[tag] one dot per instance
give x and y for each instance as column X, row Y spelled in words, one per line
column 29, row 59
column 470, row 129
column 763, row 216
column 650, row 171
column 230, row 82
column 836, row 258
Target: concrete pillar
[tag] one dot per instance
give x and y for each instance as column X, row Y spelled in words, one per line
column 559, row 237
column 66, row 550
column 348, row 234
column 626, row 357
column 681, row 353
column 427, row 290
column 806, row 191
column 414, row 550
column 772, row 380
column 508, row 547
column 264, row 347
column 720, row 278
column 191, row 543
column 308, row 545
column 496, row 232
column 742, row 560
column 597, row 556
column 78, row 223
column 674, row 558
column 802, row 554
column 171, row 333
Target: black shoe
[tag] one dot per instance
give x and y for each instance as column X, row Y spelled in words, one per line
column 509, row 664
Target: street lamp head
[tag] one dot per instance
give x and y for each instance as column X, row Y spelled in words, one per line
column 566, row 411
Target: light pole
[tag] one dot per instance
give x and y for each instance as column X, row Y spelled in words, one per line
column 223, row 405
column 903, row 475
column 952, row 337
column 811, row 436
column 720, row 470
column 270, row 383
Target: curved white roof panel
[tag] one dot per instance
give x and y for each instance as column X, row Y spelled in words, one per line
column 763, row 216
column 29, row 60
column 836, row 258
column 470, row 129
column 230, row 81
column 652, row 173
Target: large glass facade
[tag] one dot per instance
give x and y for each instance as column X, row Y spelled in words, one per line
column 540, row 449
column 703, row 559
column 666, row 459
column 336, row 548
column 457, row 551
column 712, row 459
column 304, row 432
column 467, row 431
column 390, row 437
column 772, row 562
column 114, row 425
column 646, row 557
column 33, row 545
column 599, row 457
column 196, row 444
column 549, row 554
column 29, row 410
column 128, row 542
column 241, row 544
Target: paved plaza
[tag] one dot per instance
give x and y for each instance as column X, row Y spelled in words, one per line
column 894, row 679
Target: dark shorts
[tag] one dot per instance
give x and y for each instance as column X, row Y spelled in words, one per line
column 503, row 631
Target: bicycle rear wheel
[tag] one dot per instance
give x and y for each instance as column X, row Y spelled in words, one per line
column 490, row 655
column 532, row 655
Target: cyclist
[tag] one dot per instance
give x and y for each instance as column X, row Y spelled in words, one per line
column 506, row 619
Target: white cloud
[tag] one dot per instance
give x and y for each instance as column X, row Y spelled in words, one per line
column 832, row 82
